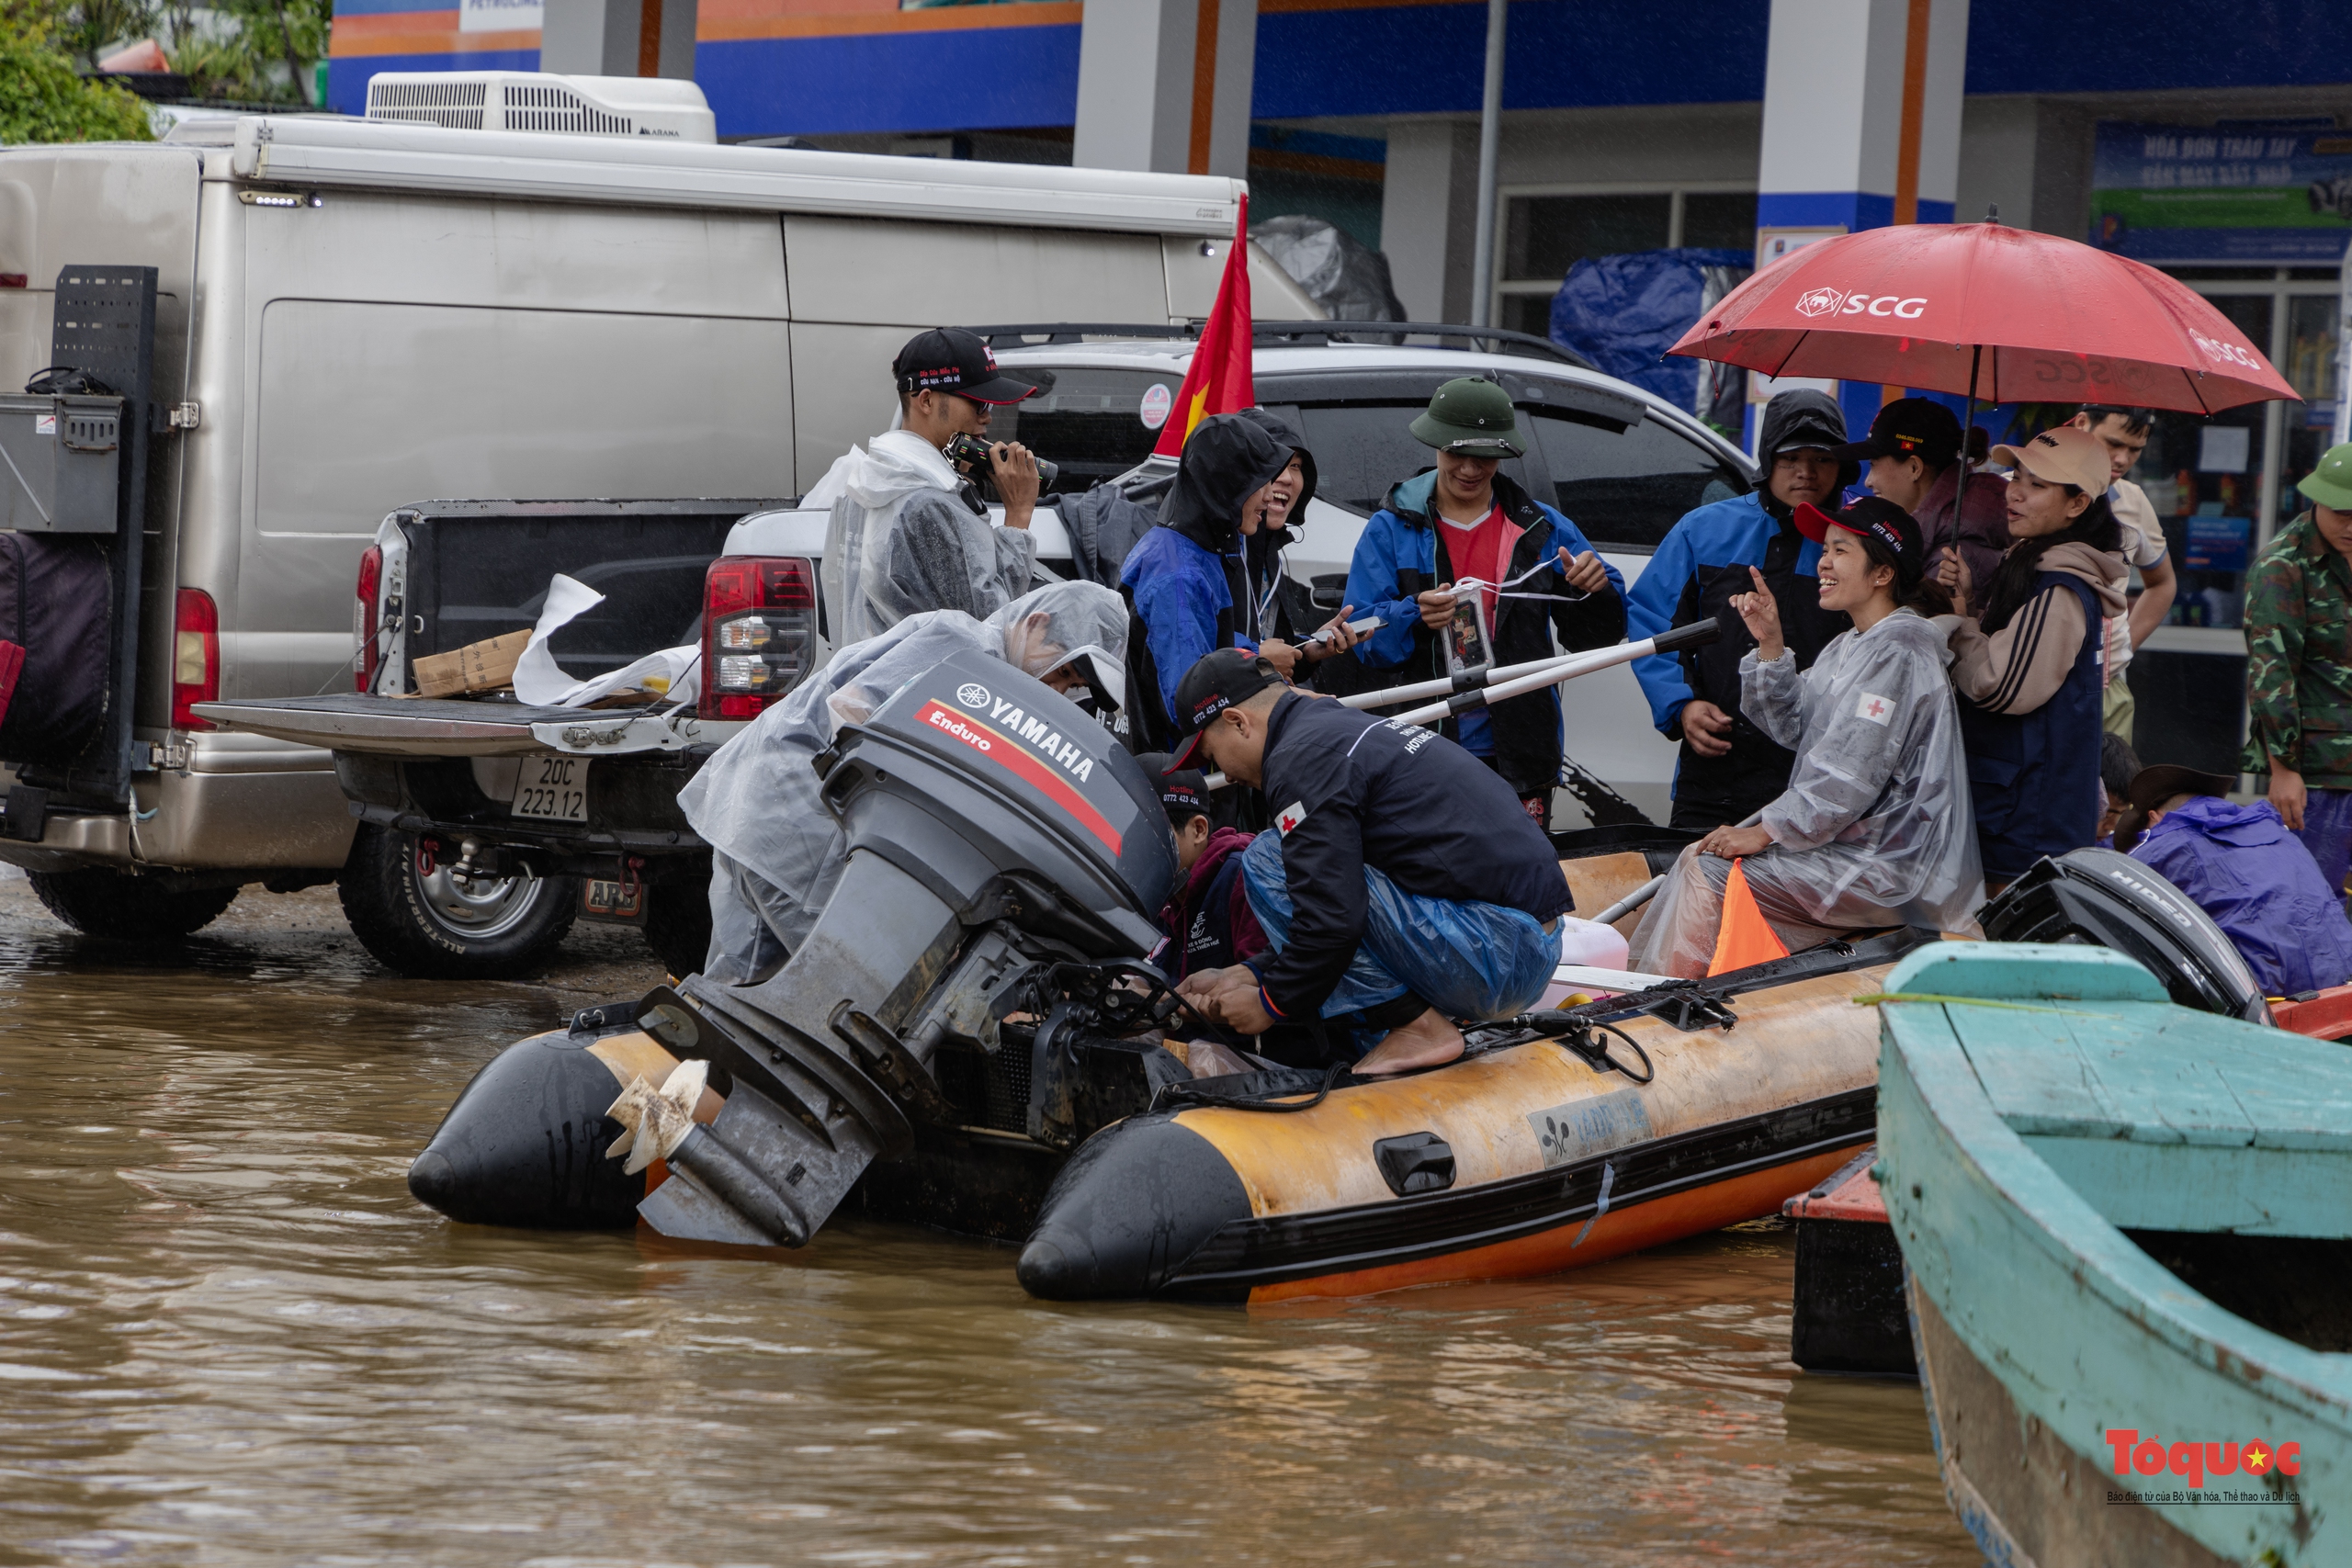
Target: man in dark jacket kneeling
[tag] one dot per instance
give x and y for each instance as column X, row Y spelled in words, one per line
column 1401, row 887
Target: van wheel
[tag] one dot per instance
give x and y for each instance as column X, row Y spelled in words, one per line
column 414, row 916
column 677, row 926
column 124, row 907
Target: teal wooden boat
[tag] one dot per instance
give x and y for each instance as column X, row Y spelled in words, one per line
column 2124, row 1234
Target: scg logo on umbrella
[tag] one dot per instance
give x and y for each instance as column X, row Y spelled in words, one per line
column 2226, row 353
column 1834, row 302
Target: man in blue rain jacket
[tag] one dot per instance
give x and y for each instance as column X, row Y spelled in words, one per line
column 1191, row 586
column 1729, row 768
column 1463, row 519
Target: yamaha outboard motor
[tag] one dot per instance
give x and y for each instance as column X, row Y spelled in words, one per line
column 994, row 831
column 2112, row 900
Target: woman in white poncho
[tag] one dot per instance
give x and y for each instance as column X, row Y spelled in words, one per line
column 1874, row 829
column 776, row 852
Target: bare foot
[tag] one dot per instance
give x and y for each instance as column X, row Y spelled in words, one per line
column 1430, row 1040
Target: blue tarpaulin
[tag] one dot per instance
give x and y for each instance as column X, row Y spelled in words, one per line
column 1624, row 311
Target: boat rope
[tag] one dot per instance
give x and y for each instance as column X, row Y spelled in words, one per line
column 1183, row 1095
column 1595, row 1053
column 1874, row 998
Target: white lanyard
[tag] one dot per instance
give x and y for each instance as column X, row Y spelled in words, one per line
column 1499, row 590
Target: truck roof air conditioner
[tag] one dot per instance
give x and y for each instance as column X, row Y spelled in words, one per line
column 532, row 100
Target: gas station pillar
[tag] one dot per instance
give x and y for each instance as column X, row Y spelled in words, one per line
column 619, row 37
column 1862, row 130
column 1164, row 86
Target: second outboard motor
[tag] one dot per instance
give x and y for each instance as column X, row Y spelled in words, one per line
column 994, row 831
column 2112, row 900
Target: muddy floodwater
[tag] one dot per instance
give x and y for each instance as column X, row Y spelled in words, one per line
column 228, row 1335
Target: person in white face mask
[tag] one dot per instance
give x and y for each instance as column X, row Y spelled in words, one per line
column 776, row 852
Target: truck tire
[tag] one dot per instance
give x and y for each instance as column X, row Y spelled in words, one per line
column 420, row 921
column 125, row 907
column 677, row 926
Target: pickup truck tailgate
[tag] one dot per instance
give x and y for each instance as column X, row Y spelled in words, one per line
column 427, row 726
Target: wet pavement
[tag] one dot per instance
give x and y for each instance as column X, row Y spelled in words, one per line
column 228, row 1335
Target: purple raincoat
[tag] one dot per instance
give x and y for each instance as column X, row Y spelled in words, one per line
column 2240, row 865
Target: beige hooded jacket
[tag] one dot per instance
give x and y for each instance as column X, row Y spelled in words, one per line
column 2020, row 667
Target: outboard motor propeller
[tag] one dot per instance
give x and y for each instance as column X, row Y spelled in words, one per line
column 2112, row 900
column 992, row 828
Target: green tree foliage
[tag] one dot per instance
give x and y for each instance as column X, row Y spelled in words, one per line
column 41, row 98
column 87, row 29
column 250, row 50
column 254, row 51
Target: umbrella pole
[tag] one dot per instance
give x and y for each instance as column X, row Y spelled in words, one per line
column 1967, row 423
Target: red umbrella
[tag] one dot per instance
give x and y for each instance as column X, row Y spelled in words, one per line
column 1993, row 313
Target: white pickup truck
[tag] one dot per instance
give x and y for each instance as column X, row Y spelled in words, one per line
column 503, row 822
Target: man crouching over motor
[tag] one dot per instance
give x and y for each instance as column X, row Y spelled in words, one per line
column 1402, row 888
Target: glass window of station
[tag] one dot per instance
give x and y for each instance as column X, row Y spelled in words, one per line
column 2224, row 485
column 1545, row 233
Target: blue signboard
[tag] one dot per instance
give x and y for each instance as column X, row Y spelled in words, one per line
column 2216, row 544
column 2277, row 195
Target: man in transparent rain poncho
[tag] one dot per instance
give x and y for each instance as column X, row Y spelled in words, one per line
column 1874, row 829
column 907, row 531
column 776, row 854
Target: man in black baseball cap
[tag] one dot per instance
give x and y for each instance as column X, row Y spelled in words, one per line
column 1913, row 450
column 909, row 532
column 949, row 359
column 1401, row 887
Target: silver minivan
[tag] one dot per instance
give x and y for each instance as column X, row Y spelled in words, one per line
column 353, row 315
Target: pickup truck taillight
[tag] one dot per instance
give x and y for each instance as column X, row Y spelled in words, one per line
column 196, row 658
column 759, row 632
column 363, row 619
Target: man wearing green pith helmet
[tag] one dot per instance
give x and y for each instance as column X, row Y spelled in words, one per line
column 2299, row 668
column 1467, row 519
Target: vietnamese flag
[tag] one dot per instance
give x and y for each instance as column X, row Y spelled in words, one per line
column 1219, row 380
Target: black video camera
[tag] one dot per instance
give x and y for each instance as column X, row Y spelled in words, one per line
column 970, row 451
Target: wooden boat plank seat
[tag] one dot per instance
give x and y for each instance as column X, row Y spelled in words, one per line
column 2087, row 1074
column 2164, row 1121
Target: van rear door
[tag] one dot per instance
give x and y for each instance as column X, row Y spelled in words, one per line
column 116, row 204
column 100, row 214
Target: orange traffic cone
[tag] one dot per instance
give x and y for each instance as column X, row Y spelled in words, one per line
column 1745, row 937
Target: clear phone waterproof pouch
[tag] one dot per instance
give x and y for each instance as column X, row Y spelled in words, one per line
column 1467, row 645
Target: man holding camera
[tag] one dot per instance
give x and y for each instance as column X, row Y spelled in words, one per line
column 910, row 533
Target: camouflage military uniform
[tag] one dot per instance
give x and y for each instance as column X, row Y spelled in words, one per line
column 2298, row 669
column 2299, row 683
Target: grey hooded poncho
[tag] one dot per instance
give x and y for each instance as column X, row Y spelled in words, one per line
column 776, row 852
column 1875, row 828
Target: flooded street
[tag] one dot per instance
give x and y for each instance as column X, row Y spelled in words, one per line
column 228, row 1335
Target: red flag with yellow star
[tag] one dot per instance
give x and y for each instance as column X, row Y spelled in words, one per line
column 1218, row 380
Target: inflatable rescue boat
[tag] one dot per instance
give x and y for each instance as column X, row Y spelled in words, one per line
column 969, row 1040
